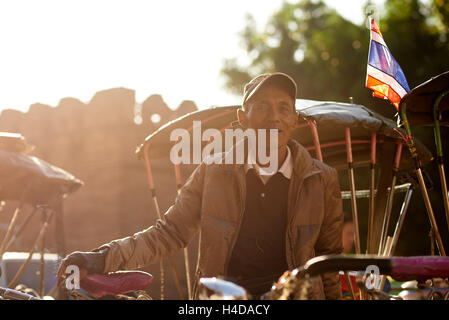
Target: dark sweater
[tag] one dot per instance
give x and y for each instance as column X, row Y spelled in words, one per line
column 259, row 256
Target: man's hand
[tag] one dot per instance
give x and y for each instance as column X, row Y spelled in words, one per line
column 87, row 262
column 75, row 258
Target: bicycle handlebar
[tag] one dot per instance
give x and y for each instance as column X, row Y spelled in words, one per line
column 15, row 295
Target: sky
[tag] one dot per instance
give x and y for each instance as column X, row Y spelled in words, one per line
column 51, row 49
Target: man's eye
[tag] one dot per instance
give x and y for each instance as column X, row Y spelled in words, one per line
column 259, row 106
column 284, row 109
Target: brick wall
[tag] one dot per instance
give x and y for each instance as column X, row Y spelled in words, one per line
column 96, row 143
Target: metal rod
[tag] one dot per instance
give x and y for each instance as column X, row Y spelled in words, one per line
column 387, row 253
column 316, row 139
column 11, row 226
column 162, row 274
column 158, row 211
column 42, row 260
column 365, row 194
column 151, row 184
column 433, row 222
column 186, row 250
column 170, row 260
column 387, row 214
column 187, row 267
column 401, row 219
column 21, row 228
column 386, row 218
column 350, row 286
column 14, row 219
column 338, row 143
column 176, row 277
column 353, row 190
column 439, row 149
column 422, row 185
column 372, row 179
column 33, row 249
column 444, row 190
column 178, row 177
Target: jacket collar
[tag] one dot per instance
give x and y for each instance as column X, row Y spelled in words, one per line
column 303, row 163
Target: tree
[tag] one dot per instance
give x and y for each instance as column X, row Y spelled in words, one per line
column 327, row 54
column 309, row 41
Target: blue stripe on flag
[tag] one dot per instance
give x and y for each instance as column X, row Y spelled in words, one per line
column 381, row 58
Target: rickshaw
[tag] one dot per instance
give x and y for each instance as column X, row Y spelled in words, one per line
column 32, row 183
column 346, row 136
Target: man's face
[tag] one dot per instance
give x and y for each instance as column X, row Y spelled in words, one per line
column 271, row 108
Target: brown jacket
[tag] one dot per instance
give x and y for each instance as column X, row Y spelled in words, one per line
column 212, row 202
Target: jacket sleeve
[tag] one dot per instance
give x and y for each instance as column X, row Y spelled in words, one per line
column 330, row 237
column 181, row 223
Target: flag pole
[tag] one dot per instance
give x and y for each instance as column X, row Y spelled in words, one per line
column 422, row 185
column 372, row 178
column 439, row 147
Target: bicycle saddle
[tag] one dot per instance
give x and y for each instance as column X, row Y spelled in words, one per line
column 99, row 285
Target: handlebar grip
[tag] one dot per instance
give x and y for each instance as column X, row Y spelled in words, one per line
column 16, row 295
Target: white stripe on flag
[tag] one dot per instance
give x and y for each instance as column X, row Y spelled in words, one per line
column 378, row 38
column 387, row 79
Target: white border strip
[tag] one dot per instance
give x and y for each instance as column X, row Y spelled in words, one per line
column 378, row 38
column 387, row 79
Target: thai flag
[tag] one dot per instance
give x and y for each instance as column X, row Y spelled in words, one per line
column 384, row 75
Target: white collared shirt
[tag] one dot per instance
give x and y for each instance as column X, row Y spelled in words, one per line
column 286, row 168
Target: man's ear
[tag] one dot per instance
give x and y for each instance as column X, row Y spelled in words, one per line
column 242, row 118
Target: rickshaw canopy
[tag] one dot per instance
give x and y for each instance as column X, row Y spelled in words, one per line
column 33, row 179
column 331, row 119
column 420, row 101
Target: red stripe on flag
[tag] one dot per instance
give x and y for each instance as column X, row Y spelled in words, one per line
column 382, row 90
column 375, row 27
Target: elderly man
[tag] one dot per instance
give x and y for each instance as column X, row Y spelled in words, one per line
column 253, row 224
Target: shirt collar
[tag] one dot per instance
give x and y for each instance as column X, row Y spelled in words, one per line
column 286, row 169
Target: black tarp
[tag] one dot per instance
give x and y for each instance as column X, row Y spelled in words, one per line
column 40, row 180
column 419, row 101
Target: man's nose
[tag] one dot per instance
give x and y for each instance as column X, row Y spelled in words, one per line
column 273, row 114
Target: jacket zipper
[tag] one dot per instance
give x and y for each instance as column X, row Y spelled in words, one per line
column 234, row 239
column 290, row 219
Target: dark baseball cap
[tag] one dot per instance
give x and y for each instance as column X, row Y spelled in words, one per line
column 258, row 82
